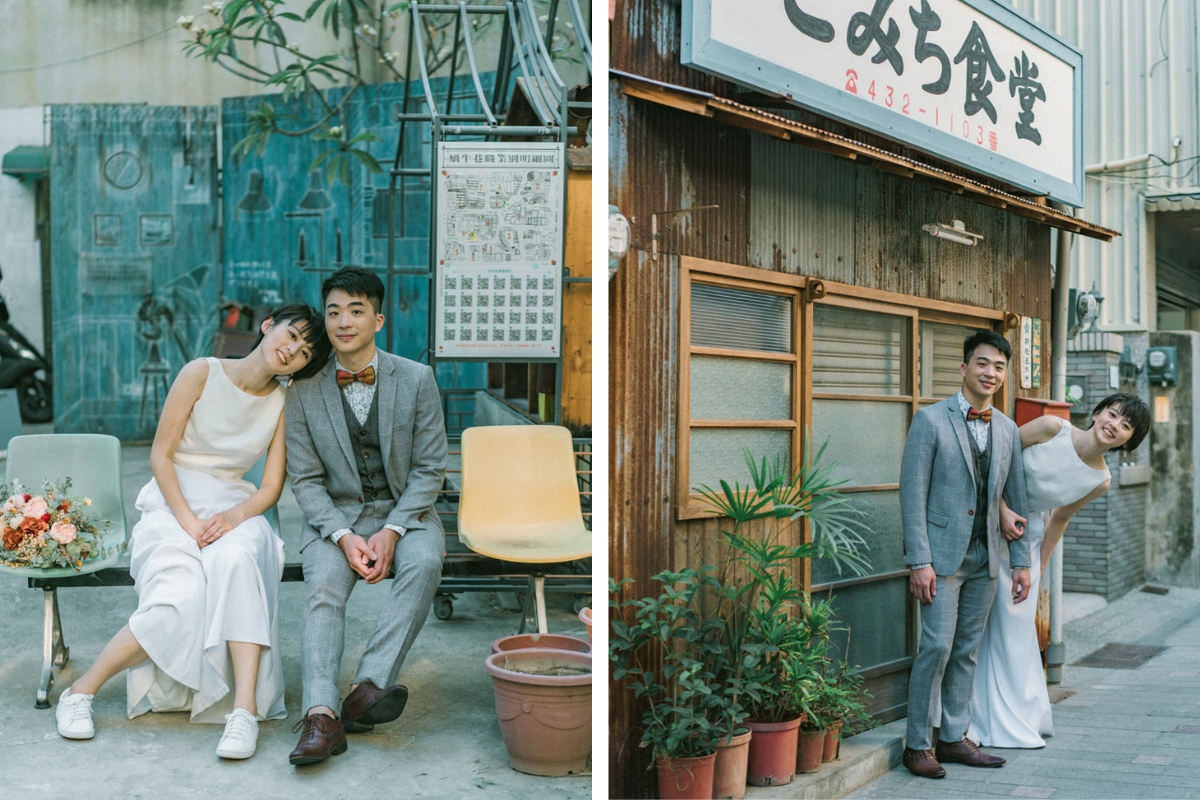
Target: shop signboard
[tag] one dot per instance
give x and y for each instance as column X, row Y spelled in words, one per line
column 499, row 250
column 972, row 82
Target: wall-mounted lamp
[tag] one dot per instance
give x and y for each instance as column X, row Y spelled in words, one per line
column 954, row 232
column 619, row 236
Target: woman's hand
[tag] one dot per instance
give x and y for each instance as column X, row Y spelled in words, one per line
column 1012, row 524
column 215, row 527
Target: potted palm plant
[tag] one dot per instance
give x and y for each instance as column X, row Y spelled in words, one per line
column 770, row 651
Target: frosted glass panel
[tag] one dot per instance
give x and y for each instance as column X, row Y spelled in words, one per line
column 877, row 614
column 739, row 388
column 738, row 319
column 716, row 453
column 859, row 352
column 882, row 532
column 865, row 437
column 939, row 355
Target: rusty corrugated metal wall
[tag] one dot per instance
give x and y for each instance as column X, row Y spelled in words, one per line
column 778, row 206
column 817, row 215
column 643, row 379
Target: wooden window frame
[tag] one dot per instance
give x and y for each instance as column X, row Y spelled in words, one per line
column 690, row 505
column 806, row 292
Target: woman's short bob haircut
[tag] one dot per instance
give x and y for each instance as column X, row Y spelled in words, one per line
column 311, row 324
column 1132, row 408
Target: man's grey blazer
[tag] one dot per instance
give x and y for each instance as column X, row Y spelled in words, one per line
column 937, row 489
column 412, row 437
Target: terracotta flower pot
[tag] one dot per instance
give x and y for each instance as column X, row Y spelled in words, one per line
column 810, row 751
column 832, row 739
column 545, row 641
column 685, row 778
column 729, row 772
column 772, row 759
column 585, row 616
column 544, row 703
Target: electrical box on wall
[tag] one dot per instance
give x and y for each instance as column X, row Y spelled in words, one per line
column 1162, row 366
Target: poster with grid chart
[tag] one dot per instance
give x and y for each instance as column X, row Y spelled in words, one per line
column 499, row 244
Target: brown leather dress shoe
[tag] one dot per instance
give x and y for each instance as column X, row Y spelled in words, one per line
column 368, row 706
column 922, row 763
column 967, row 752
column 320, row 737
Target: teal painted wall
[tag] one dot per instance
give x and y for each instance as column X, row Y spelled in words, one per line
column 134, row 259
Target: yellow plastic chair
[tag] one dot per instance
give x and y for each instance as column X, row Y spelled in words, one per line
column 520, row 501
column 93, row 463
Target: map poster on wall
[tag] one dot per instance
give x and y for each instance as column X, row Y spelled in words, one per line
column 499, row 245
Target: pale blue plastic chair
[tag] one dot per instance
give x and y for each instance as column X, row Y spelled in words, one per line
column 10, row 417
column 93, row 462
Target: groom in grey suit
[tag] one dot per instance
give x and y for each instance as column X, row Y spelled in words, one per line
column 961, row 457
column 366, row 456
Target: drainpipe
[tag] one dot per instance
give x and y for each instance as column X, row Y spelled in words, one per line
column 1056, row 652
column 1123, row 163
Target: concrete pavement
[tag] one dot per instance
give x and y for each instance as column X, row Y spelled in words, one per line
column 1118, row 733
column 447, row 744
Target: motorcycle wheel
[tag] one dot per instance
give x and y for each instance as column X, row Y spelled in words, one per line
column 34, row 399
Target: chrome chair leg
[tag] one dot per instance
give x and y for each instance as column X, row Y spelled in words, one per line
column 539, row 594
column 55, row 652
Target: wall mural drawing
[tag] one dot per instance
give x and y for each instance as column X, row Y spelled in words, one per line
column 134, row 238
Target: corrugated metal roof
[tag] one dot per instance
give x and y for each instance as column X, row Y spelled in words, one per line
column 709, row 105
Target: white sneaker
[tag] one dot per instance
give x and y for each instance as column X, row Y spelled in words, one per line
column 241, row 735
column 74, row 715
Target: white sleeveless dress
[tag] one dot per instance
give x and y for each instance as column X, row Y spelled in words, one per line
column 1010, row 706
column 192, row 601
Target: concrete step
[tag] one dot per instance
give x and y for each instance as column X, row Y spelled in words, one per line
column 862, row 759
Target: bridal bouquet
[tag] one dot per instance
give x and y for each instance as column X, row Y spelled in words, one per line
column 51, row 529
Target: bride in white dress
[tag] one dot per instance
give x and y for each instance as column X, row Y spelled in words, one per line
column 205, row 562
column 1064, row 471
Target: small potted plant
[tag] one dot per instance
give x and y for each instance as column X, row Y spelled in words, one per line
column 681, row 702
column 847, row 708
column 820, row 708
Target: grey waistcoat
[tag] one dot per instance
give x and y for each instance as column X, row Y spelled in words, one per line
column 983, row 467
column 364, row 438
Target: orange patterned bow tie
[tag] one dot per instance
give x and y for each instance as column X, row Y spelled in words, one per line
column 367, row 376
column 985, row 415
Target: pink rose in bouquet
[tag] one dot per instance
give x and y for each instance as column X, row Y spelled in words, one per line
column 36, row 507
column 63, row 532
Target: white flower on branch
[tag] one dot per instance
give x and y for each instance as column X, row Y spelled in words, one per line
column 295, row 48
column 391, row 57
column 335, row 130
column 367, row 30
column 185, row 22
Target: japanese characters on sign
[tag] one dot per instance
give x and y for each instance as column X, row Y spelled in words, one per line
column 499, row 245
column 970, row 81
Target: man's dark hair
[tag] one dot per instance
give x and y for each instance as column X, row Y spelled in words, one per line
column 1132, row 408
column 311, row 324
column 986, row 337
column 357, row 282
